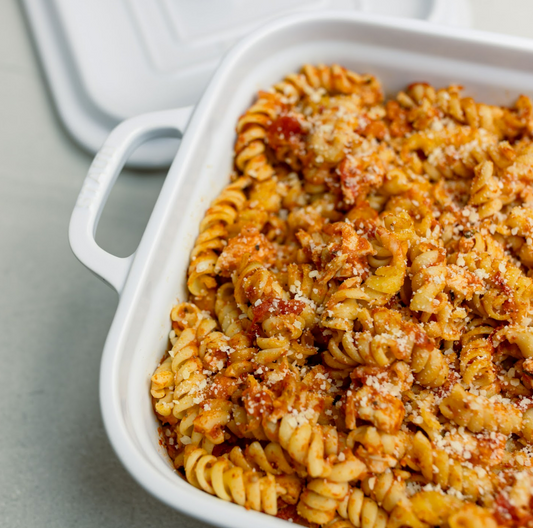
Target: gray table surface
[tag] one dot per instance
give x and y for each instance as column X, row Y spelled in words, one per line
column 56, row 465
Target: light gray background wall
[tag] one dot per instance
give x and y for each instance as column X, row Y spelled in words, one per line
column 56, row 466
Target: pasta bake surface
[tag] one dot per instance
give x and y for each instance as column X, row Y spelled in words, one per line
column 357, row 347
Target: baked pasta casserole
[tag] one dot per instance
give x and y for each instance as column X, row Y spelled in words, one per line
column 357, row 345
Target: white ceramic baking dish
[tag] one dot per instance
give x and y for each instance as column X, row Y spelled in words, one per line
column 493, row 68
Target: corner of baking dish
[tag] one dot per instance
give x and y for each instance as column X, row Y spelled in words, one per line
column 398, row 52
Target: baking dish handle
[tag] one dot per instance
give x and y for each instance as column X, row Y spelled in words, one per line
column 103, row 172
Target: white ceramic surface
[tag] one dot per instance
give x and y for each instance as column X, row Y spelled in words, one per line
column 109, row 60
column 493, row 68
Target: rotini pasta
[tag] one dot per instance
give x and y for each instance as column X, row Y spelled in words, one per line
column 357, row 345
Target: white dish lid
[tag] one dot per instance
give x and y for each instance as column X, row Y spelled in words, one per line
column 107, row 60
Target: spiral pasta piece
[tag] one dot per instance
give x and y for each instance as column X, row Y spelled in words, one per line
column 388, row 489
column 476, row 366
column 177, row 380
column 387, row 279
column 485, row 190
column 227, row 311
column 187, row 434
column 429, row 279
column 429, row 366
column 472, row 516
column 424, row 509
column 362, row 511
column 211, row 240
column 508, row 298
column 306, row 444
column 218, row 476
column 270, row 459
column 345, row 309
column 242, row 425
column 188, row 374
column 331, row 79
column 522, row 337
column 378, row 443
column 343, row 353
column 253, row 283
column 302, row 281
column 439, row 468
column 320, row 499
column 478, row 413
column 384, row 411
column 250, row 155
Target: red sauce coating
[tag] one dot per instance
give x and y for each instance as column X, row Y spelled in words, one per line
column 274, row 306
column 508, row 515
column 285, row 131
column 399, row 126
